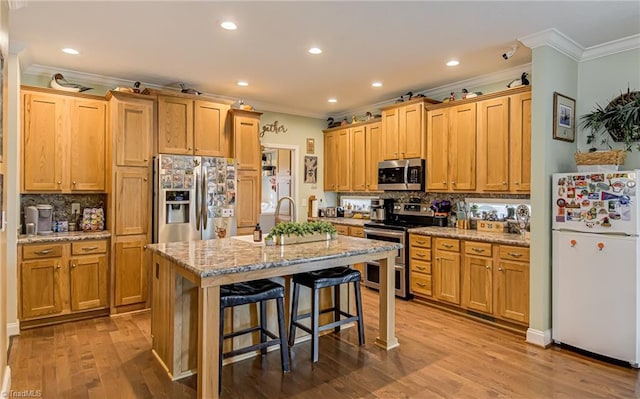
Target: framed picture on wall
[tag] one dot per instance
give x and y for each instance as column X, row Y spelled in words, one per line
column 564, row 118
column 311, row 145
column 311, row 170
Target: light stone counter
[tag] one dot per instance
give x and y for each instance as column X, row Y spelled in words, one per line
column 474, row 235
column 64, row 237
column 345, row 221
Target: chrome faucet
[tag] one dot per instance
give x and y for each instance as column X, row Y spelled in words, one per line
column 291, row 218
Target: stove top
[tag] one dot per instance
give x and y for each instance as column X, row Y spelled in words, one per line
column 405, row 224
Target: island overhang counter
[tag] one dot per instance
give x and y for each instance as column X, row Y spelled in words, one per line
column 186, row 292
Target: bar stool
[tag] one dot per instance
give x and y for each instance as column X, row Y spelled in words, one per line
column 315, row 281
column 252, row 292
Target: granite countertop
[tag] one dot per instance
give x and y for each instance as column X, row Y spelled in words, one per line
column 64, row 237
column 209, row 258
column 345, row 221
column 474, row 235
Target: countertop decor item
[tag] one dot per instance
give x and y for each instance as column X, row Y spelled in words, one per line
column 620, row 119
column 564, row 118
column 60, row 83
column 294, row 232
column 599, row 160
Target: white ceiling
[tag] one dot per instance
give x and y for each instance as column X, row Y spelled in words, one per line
column 403, row 44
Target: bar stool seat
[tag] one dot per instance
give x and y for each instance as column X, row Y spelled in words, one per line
column 257, row 291
column 316, row 280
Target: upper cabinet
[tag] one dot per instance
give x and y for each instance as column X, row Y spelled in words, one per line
column 331, row 161
column 520, row 143
column 192, row 127
column 132, row 126
column 246, row 139
column 63, row 142
column 404, row 130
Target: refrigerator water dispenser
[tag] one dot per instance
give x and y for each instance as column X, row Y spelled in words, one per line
column 177, row 207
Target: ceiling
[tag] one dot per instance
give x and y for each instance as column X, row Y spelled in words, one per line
column 402, row 44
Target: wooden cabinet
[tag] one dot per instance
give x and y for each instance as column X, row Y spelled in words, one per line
column 353, row 231
column 132, row 203
column 344, row 160
column 247, row 202
column 520, row 143
column 420, row 264
column 63, row 142
column 62, row 279
column 131, row 271
column 404, row 130
column 132, row 125
column 373, row 155
column 192, row 127
column 358, row 145
column 330, row 161
column 493, row 144
column 438, row 149
column 512, row 284
column 477, row 276
column 447, row 270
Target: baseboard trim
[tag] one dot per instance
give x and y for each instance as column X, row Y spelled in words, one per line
column 13, row 328
column 539, row 338
column 6, row 383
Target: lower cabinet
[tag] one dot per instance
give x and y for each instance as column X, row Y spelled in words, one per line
column 62, row 281
column 420, row 265
column 131, row 271
column 512, row 284
column 353, row 231
column 477, row 277
column 447, row 270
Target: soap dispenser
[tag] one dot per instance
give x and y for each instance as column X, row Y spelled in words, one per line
column 257, row 233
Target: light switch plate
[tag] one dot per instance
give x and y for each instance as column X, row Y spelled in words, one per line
column 75, row 207
column 227, row 212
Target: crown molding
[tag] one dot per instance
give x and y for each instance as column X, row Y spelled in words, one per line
column 555, row 39
column 610, row 48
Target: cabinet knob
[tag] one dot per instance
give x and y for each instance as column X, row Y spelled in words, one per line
column 73, row 265
column 59, row 182
column 504, row 183
column 396, row 153
column 144, row 179
column 437, row 258
column 146, row 160
column 488, row 267
column 197, row 149
column 444, row 182
column 500, row 269
column 74, row 183
column 189, row 148
column 454, row 183
column 58, row 267
column 516, row 182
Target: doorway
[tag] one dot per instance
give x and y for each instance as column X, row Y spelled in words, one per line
column 278, row 180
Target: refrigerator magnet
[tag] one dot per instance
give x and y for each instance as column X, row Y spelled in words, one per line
column 561, row 202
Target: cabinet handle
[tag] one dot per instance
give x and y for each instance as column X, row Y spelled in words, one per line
column 500, row 269
column 437, row 258
column 516, row 182
column 421, row 268
column 479, row 250
column 144, row 179
column 421, row 255
column 488, row 266
column 73, row 265
column 59, row 182
column 444, row 182
column 44, row 252
column 144, row 247
column 74, row 183
column 447, row 245
column 421, row 242
column 197, row 149
column 514, row 254
column 58, row 267
column 89, row 248
column 189, row 148
column 146, row 160
column 421, row 284
column 504, row 183
column 454, row 183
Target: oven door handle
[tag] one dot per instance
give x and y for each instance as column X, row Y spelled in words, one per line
column 384, row 233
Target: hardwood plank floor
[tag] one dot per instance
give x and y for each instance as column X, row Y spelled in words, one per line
column 441, row 355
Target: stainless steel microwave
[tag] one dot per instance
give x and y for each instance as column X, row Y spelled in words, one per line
column 402, row 174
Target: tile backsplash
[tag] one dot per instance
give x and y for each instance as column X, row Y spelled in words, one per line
column 62, row 203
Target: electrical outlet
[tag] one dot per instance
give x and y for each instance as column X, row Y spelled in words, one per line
column 75, row 208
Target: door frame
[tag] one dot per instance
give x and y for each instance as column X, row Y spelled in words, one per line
column 295, row 165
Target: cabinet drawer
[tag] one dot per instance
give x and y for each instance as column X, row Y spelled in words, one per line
column 422, row 254
column 342, row 229
column 356, row 231
column 448, row 244
column 41, row 251
column 416, row 240
column 514, row 253
column 420, row 266
column 88, row 247
column 477, row 248
column 421, row 284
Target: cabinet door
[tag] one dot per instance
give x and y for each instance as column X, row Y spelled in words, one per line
column 209, row 136
column 373, row 155
column 437, row 149
column 88, row 279
column 512, row 290
column 344, row 160
column 411, row 129
column 132, row 201
column 520, row 143
column 447, row 275
column 330, row 161
column 358, row 163
column 175, row 125
column 246, row 135
column 390, row 139
column 462, row 147
column 88, row 133
column 43, row 142
column 133, row 131
column 42, row 287
column 131, row 276
column 248, row 200
column 477, row 287
column 493, row 144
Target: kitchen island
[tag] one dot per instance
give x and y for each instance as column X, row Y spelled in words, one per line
column 186, row 292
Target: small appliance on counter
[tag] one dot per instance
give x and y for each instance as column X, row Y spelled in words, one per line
column 45, row 217
column 31, row 220
column 381, row 208
column 331, row 212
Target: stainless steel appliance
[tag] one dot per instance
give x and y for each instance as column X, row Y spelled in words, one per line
column 380, row 208
column 402, row 174
column 331, row 212
column 31, row 219
column 45, row 217
column 194, row 198
column 394, row 228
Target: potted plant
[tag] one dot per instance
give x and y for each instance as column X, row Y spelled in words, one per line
column 295, row 232
column 620, row 119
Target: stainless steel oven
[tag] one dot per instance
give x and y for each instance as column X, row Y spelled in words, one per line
column 372, row 269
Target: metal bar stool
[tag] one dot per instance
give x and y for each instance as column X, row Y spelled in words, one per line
column 315, row 281
column 252, row 292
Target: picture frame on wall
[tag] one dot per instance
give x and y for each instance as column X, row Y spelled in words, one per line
column 310, row 170
column 564, row 118
column 311, row 145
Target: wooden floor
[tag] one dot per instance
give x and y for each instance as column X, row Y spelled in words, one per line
column 440, row 356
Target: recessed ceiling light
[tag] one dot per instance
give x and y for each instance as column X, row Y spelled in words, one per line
column 453, row 63
column 315, row 50
column 69, row 50
column 332, row 100
column 376, row 84
column 243, row 83
column 228, row 25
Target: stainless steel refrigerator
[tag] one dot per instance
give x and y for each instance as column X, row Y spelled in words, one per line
column 194, row 198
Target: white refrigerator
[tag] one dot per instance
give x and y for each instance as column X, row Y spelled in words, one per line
column 595, row 263
column 194, row 198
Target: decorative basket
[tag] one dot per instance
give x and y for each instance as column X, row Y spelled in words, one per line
column 613, row 157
